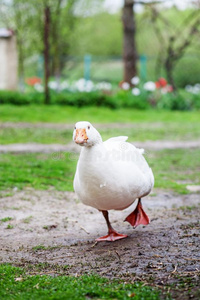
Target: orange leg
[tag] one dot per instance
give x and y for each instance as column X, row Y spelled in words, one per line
column 112, row 234
column 138, row 216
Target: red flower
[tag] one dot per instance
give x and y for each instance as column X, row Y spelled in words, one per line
column 33, row 80
column 157, row 83
column 162, row 81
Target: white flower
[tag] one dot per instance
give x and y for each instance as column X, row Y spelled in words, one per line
column 135, row 80
column 80, row 85
column 197, row 88
column 188, row 88
column 136, row 91
column 39, row 88
column 53, row 85
column 106, row 86
column 149, row 86
column 89, row 86
column 193, row 89
column 64, row 85
column 125, row 86
column 197, row 85
column 83, row 85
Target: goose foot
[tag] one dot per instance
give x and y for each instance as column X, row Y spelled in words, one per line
column 111, row 237
column 112, row 234
column 138, row 216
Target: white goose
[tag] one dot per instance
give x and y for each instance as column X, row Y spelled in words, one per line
column 111, row 175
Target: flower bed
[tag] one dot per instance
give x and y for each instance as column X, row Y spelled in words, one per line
column 157, row 95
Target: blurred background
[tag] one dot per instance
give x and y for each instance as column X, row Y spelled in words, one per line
column 148, row 48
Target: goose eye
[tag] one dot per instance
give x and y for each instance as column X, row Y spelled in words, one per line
column 88, row 127
column 74, row 127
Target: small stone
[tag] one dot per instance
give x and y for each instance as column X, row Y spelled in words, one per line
column 193, row 188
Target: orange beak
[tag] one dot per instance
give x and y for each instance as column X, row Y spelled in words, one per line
column 81, row 136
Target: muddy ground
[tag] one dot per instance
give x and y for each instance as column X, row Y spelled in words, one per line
column 58, row 232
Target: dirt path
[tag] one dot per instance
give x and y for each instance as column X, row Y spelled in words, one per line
column 71, row 126
column 71, row 147
column 65, row 230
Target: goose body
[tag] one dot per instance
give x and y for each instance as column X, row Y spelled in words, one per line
column 111, row 174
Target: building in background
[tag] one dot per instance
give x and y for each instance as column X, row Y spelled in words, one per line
column 8, row 60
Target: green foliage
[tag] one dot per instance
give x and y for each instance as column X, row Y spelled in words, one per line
column 26, row 18
column 18, row 98
column 99, row 34
column 181, row 100
column 187, row 69
column 83, row 99
column 77, row 31
column 175, row 102
column 127, row 100
column 15, row 284
column 90, row 36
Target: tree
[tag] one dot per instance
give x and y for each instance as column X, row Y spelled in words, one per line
column 174, row 41
column 46, row 52
column 41, row 26
column 16, row 16
column 129, row 45
column 130, row 56
column 63, row 21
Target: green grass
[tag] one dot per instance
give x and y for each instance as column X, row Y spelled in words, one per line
column 66, row 114
column 9, row 226
column 173, row 169
column 16, row 284
column 39, row 171
column 39, row 247
column 34, row 135
column 6, row 219
column 138, row 132
column 149, row 131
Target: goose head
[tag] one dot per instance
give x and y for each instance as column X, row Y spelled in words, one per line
column 85, row 134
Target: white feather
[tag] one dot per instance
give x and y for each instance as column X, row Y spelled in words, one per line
column 111, row 174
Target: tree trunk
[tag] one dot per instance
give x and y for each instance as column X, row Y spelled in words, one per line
column 169, row 66
column 21, row 64
column 46, row 53
column 55, row 31
column 170, row 63
column 129, row 46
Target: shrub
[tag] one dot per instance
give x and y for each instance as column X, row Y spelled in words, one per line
column 182, row 100
column 13, row 97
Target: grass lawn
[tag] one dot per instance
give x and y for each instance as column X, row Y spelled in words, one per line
column 39, row 171
column 68, row 114
column 173, row 169
column 35, row 135
column 139, row 132
column 15, row 284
